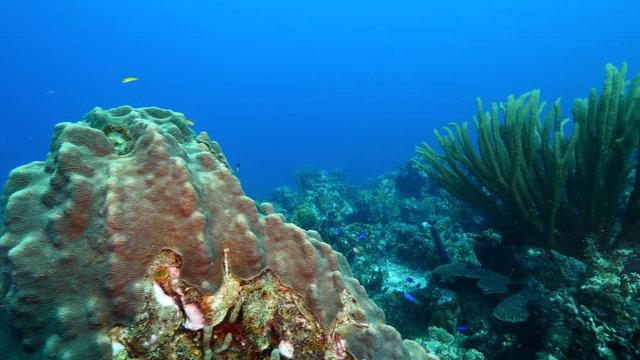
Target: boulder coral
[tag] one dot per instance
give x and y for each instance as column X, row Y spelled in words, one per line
column 134, row 239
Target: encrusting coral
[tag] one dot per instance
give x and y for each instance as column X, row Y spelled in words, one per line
column 135, row 240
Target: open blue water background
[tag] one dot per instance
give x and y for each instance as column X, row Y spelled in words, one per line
column 281, row 84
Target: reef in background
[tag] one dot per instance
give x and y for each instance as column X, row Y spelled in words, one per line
column 543, row 265
column 447, row 279
column 135, row 240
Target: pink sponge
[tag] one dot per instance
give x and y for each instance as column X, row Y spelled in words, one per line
column 85, row 244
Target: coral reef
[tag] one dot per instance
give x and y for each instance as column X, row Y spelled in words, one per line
column 134, row 239
column 546, row 191
column 396, row 227
column 494, row 299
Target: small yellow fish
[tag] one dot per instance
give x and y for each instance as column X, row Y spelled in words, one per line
column 189, row 122
column 129, row 79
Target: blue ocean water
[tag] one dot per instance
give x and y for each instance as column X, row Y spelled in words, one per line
column 282, row 84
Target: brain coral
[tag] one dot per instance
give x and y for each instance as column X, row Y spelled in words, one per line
column 135, row 240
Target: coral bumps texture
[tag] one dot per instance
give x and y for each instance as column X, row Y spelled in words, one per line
column 131, row 208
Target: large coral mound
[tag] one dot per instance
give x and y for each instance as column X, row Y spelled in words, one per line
column 135, row 240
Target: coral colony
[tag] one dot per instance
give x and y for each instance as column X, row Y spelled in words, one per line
column 134, row 240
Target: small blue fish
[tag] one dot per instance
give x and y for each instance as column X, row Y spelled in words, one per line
column 362, row 235
column 410, row 297
column 418, row 285
column 463, row 328
column 410, row 280
column 340, row 232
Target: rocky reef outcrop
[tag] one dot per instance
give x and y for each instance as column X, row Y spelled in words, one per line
column 135, row 240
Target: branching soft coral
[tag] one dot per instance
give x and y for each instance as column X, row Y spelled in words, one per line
column 539, row 185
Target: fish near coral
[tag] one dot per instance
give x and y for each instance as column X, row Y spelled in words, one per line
column 410, row 298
